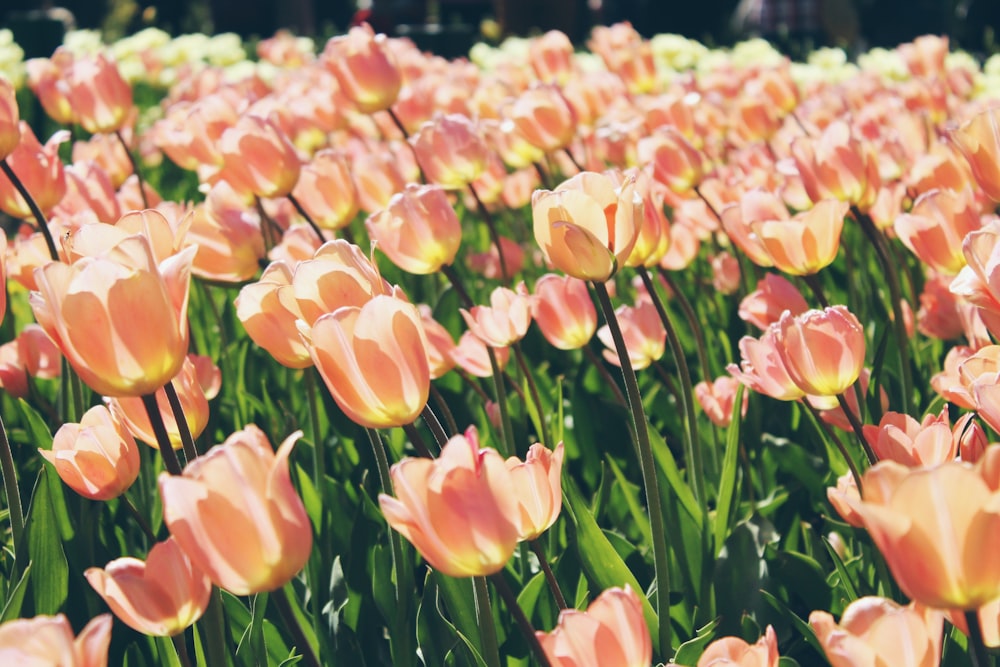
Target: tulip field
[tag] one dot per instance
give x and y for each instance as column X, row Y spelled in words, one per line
column 617, row 355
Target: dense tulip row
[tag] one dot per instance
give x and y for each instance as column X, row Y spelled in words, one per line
column 345, row 251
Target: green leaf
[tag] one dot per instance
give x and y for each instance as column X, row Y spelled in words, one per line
column 15, row 598
column 691, row 650
column 804, row 628
column 845, row 578
column 39, row 436
column 631, row 494
column 49, row 586
column 727, row 485
column 458, row 598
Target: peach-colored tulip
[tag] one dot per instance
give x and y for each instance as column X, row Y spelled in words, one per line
column 979, row 281
column 934, row 229
column 326, row 191
column 938, row 316
column 268, row 311
column 472, row 355
column 823, row 350
column 643, row 333
column 611, row 633
column 189, row 133
column 107, row 151
column 48, row 640
column 488, row 263
column 587, row 227
column 806, row 243
column 737, row 652
column 847, row 488
column 89, row 188
column 754, row 206
column 551, row 57
column 718, row 398
column 38, row 353
column 10, row 131
column 451, row 150
column 837, row 165
column 725, row 273
column 544, row 118
column 418, row 230
column 119, row 319
column 979, row 140
column 40, row 171
column 365, row 68
column 377, row 178
column 564, row 311
column 440, row 344
column 160, row 596
column 230, row 245
column 460, row 510
column 937, row 528
column 97, row 458
column 505, row 321
column 676, row 163
column 100, row 97
column 773, row 296
column 236, row 515
column 877, row 631
column 901, row 438
column 258, row 158
column 537, row 487
column 373, row 360
column 762, row 368
column 338, row 275
column 13, row 376
column 47, row 78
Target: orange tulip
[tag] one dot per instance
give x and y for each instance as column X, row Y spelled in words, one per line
column 738, row 653
column 725, row 273
column 439, row 343
column 365, row 68
column 877, row 631
column 901, row 438
column 472, row 355
column 762, row 368
column 676, row 163
column 537, row 487
column 40, row 171
column 643, row 333
column 258, row 158
column 39, row 354
column 326, row 191
column 806, row 243
column 979, row 281
column 935, row 228
column 418, row 230
column 268, row 311
column 236, row 515
column 100, row 97
column 373, row 359
column 118, row 318
column 97, row 458
column 48, row 640
column 47, row 78
column 10, row 131
column 230, row 245
column 823, row 350
column 938, row 529
column 837, row 165
column 587, row 227
column 847, row 488
column 451, row 150
column 505, row 321
column 718, row 398
column 773, row 296
column 564, row 311
column 754, row 206
column 377, row 178
column 160, row 596
column 459, row 510
column 611, row 633
column 979, row 140
column 338, row 275
column 544, row 118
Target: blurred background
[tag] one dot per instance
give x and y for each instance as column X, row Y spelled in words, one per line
column 450, row 27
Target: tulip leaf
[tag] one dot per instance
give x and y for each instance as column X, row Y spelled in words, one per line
column 631, row 494
column 691, row 650
column 434, row 634
column 240, row 619
column 804, row 628
column 39, row 436
column 531, row 594
column 668, row 466
column 728, row 483
column 15, row 597
column 845, row 578
column 458, row 598
column 873, row 401
column 50, row 585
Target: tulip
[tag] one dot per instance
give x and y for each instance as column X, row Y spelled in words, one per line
column 937, row 529
column 100, row 97
column 737, row 652
column 450, row 150
column 230, row 245
column 10, row 130
column 643, row 333
column 823, row 350
column 551, row 57
column 935, row 227
column 979, row 281
column 48, row 640
column 901, row 438
column 160, row 596
column 488, row 263
column 258, row 158
column 847, row 488
column 762, row 368
column 439, row 343
column 979, row 140
column 737, row 219
column 587, row 227
column 365, row 68
column 676, row 163
column 837, row 165
column 564, row 311
column 877, row 631
column 97, row 458
column 773, row 296
column 268, row 311
column 38, row 353
column 236, row 515
column 373, row 359
column 537, row 487
column 118, row 318
column 611, row 633
column 718, row 398
column 460, row 510
column 40, row 171
column 505, row 321
column 418, row 230
column 326, row 191
column 471, row 354
column 725, row 273
column 377, row 178
column 544, row 118
column 806, row 243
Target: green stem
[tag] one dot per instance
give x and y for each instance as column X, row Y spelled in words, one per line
column 608, row 380
column 135, row 169
column 417, row 440
column 858, row 430
column 170, row 460
column 572, row 158
column 550, row 577
column 492, row 228
column 661, row 562
column 812, row 282
column 284, row 605
column 484, row 618
column 535, row 396
column 183, row 428
column 40, row 220
column 139, row 518
column 837, row 442
column 692, row 319
column 977, row 647
column 522, row 621
column 449, row 418
column 319, row 465
column 434, row 424
column 181, row 648
column 308, row 218
column 10, row 486
column 509, row 447
column 213, row 635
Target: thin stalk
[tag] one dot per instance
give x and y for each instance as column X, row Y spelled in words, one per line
column 813, row 283
column 319, row 464
column 661, row 563
column 440, row 437
column 977, row 647
column 135, row 169
column 693, row 453
column 449, row 418
column 40, row 220
column 284, row 605
column 456, row 281
column 838, row 442
column 406, row 135
column 492, row 228
column 711, row 208
column 509, row 448
column 543, row 176
column 550, row 577
column 308, row 218
column 693, row 322
column 535, row 396
column 183, row 428
column 522, row 621
column 484, row 618
column 170, row 460
column 181, row 647
column 572, row 158
column 10, row 486
column 417, row 441
column 473, row 384
column 139, row 518
column 858, row 429
column 608, row 380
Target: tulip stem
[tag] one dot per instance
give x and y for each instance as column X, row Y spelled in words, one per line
column 181, row 647
column 838, row 443
column 550, row 577
column 535, row 396
column 492, row 228
column 434, row 424
column 608, row 380
column 40, row 220
column 661, row 563
column 484, row 618
column 170, row 460
column 135, row 168
column 308, row 218
column 139, row 519
column 509, row 447
column 812, row 282
column 10, row 487
column 543, row 176
column 417, row 441
column 522, row 621
column 463, row 295
column 284, row 605
column 183, row 428
column 977, row 647
column 692, row 319
column 449, row 418
column 858, row 429
column 572, row 158
column 319, row 466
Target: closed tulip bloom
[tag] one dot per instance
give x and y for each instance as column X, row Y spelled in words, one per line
column 365, row 68
column 418, row 230
column 119, row 319
column 544, row 118
column 40, row 171
column 451, row 150
column 676, row 163
column 837, row 165
column 842, row 495
column 258, row 158
column 739, row 653
column 587, row 227
column 901, row 438
column 100, row 97
column 979, row 281
column 773, row 296
column 551, row 57
column 49, row 640
column 877, row 631
column 374, row 361
column 377, row 178
column 611, row 633
column 460, row 510
column 505, row 321
column 718, row 398
column 10, row 131
column 268, row 311
column 97, row 458
column 936, row 226
column 762, row 368
column 643, row 333
column 564, row 311
column 439, row 343
column 338, row 274
column 979, row 140
column 737, row 219
column 326, row 191
column 823, row 350
column 236, row 515
column 230, row 245
column 725, row 273
column 537, row 487
column 160, row 596
column 938, row 529
column 806, row 243
column 39, row 354
column 472, row 355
